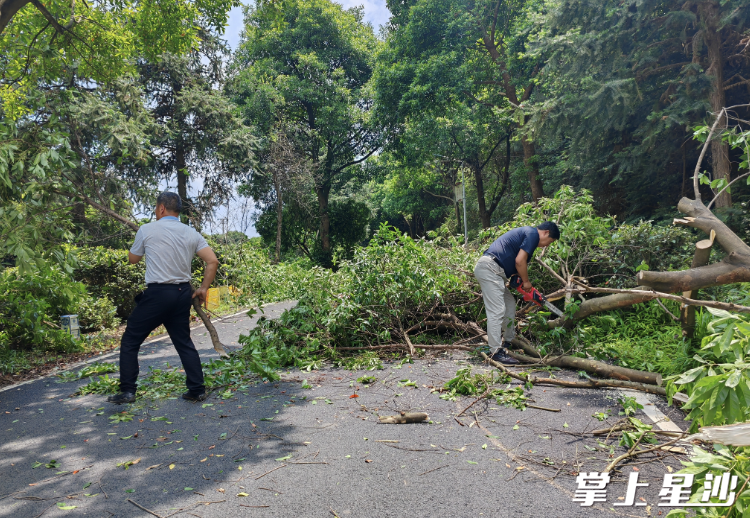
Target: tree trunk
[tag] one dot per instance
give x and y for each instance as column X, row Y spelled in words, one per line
column 323, row 192
column 710, row 12
column 483, row 214
column 734, row 268
column 279, row 215
column 532, row 168
column 181, row 167
column 602, row 369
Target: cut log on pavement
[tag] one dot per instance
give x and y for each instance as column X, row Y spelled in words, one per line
column 404, row 418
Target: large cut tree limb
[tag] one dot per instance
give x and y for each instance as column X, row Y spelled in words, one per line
column 218, row 346
column 622, row 298
column 601, row 369
column 734, row 268
column 651, row 389
column 706, row 221
column 572, row 362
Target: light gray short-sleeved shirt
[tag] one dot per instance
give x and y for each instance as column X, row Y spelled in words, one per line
column 169, row 246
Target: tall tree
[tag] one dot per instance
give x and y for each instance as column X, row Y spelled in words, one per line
column 60, row 57
column 472, row 137
column 200, row 138
column 469, row 52
column 627, row 82
column 311, row 63
column 51, row 40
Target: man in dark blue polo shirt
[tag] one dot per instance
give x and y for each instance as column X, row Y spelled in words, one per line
column 510, row 254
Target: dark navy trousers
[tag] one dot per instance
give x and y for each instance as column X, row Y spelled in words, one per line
column 167, row 304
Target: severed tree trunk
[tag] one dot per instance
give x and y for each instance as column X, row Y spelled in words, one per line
column 701, row 257
column 734, row 268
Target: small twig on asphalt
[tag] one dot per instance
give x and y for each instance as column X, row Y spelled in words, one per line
column 434, row 469
column 102, row 489
column 632, row 453
column 243, row 505
column 267, row 472
column 459, row 422
column 475, row 401
column 45, row 510
column 333, row 512
column 544, row 408
column 144, row 509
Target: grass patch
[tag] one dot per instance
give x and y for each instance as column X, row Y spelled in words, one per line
column 643, row 337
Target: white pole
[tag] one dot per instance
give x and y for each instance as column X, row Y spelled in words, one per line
column 463, row 192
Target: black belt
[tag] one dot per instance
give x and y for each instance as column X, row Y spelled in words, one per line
column 165, row 284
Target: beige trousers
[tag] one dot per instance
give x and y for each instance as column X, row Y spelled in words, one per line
column 499, row 303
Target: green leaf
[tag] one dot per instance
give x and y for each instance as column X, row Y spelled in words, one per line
column 734, row 378
column 65, row 507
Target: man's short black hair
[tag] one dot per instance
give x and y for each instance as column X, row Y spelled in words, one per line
column 171, row 201
column 554, row 231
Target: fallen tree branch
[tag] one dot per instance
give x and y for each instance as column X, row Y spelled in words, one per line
column 218, row 346
column 144, row 509
column 550, row 270
column 632, row 453
column 486, row 392
column 456, row 347
column 544, row 408
column 651, row 389
column 601, row 369
column 685, row 300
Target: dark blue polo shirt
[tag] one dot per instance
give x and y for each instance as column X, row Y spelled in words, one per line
column 506, row 247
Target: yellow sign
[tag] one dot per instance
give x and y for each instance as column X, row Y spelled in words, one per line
column 214, row 298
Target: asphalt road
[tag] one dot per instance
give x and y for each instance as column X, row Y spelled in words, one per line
column 281, row 450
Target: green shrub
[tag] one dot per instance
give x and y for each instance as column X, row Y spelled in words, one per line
column 719, row 388
column 108, row 275
column 31, row 306
column 97, row 314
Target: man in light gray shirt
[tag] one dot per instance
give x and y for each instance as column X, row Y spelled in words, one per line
column 169, row 247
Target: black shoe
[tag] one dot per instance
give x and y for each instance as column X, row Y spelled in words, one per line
column 122, row 397
column 501, row 356
column 194, row 397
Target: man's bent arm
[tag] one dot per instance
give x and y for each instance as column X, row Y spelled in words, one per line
column 522, row 267
column 132, row 258
column 212, row 264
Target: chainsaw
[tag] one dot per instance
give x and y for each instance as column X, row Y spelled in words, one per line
column 533, row 295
